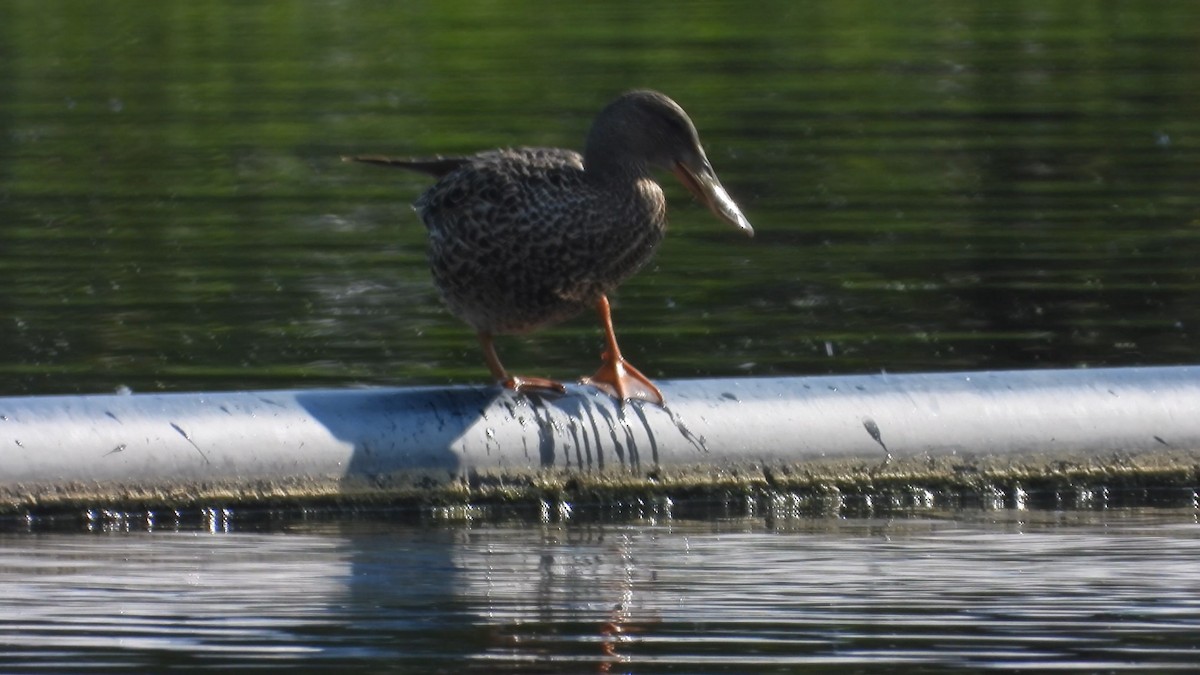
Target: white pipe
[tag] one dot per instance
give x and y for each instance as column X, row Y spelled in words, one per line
column 52, row 446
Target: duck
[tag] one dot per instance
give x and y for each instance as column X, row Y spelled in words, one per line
column 523, row 238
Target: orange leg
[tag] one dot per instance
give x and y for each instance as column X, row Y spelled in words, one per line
column 515, row 382
column 616, row 377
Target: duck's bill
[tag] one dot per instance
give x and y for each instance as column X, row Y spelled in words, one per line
column 705, row 187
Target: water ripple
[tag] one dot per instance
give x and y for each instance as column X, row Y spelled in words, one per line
column 694, row 596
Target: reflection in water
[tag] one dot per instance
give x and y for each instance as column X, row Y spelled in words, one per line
column 1015, row 590
column 182, row 598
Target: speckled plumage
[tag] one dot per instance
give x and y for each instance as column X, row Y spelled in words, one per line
column 522, row 238
column 525, row 237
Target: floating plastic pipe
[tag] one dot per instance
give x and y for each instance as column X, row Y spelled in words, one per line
column 279, row 443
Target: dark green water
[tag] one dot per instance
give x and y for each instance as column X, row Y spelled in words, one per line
column 936, row 186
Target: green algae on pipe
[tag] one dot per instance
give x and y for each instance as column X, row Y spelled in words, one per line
column 339, row 446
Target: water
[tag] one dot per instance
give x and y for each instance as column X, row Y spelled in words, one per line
column 961, row 592
column 935, row 186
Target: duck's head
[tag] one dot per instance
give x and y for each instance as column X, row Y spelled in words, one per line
column 644, row 129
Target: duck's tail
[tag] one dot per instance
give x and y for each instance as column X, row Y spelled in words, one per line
column 434, row 166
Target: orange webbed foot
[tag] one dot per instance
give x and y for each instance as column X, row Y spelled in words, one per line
column 617, row 378
column 520, row 384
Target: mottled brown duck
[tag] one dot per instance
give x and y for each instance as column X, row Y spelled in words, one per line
column 526, row 237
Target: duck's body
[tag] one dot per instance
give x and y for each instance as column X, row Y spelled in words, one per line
column 523, row 238
column 527, row 237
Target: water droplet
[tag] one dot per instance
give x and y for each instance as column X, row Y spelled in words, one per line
column 1020, row 498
